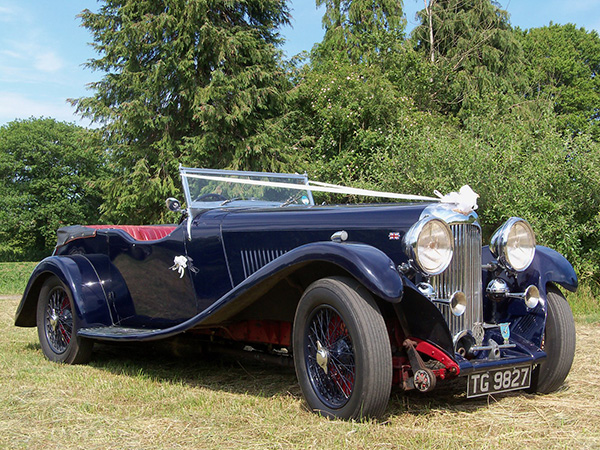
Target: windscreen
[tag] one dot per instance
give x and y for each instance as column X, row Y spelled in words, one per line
column 205, row 188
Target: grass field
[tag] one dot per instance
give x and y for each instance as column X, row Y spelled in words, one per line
column 14, row 277
column 144, row 397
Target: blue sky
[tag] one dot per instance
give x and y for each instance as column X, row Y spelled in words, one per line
column 43, row 46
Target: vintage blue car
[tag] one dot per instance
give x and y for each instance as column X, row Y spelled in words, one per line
column 358, row 298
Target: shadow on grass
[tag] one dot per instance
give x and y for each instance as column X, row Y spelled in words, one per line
column 172, row 363
column 175, row 362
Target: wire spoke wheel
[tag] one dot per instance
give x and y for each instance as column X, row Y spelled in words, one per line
column 330, row 357
column 342, row 351
column 58, row 320
column 57, row 325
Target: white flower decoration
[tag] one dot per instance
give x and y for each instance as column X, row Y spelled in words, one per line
column 180, row 264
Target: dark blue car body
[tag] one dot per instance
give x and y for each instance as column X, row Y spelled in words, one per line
column 248, row 268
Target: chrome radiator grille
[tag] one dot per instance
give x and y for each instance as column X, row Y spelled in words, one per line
column 463, row 274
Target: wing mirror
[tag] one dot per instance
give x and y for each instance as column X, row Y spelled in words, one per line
column 173, row 204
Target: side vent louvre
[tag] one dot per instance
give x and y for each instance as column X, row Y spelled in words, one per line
column 253, row 260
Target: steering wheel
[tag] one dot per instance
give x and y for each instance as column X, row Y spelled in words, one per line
column 212, row 197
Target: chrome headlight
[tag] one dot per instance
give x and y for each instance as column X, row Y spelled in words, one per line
column 429, row 245
column 513, row 244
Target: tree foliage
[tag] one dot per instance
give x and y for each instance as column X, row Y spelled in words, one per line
column 360, row 31
column 563, row 66
column 474, row 51
column 49, row 172
column 466, row 99
column 195, row 82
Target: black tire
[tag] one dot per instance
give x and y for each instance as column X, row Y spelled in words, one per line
column 349, row 374
column 57, row 325
column 559, row 344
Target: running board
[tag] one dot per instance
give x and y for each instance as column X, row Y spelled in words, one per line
column 117, row 333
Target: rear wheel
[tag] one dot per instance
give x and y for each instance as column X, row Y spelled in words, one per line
column 342, row 351
column 559, row 344
column 57, row 325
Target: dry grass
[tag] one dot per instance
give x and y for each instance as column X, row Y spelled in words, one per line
column 136, row 398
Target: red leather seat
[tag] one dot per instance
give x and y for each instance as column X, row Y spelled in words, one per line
column 140, row 232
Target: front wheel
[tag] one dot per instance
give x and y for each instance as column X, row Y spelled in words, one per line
column 342, row 351
column 56, row 325
column 559, row 344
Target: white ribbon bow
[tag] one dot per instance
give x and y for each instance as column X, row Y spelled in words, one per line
column 465, row 199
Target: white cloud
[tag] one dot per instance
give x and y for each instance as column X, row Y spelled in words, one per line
column 17, row 106
column 48, row 61
column 29, row 62
column 7, row 14
column 11, row 54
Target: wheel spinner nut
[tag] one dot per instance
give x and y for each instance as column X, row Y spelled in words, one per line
column 322, row 357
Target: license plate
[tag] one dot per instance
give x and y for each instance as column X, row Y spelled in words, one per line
column 498, row 380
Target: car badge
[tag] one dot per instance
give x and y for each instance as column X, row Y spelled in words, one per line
column 478, row 334
column 505, row 331
column 394, row 236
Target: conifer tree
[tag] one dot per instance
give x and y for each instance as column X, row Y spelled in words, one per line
column 195, row 82
column 474, row 49
column 361, row 30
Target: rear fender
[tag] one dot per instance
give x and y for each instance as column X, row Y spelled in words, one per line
column 79, row 275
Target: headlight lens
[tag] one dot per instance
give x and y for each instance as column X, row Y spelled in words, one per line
column 513, row 244
column 430, row 245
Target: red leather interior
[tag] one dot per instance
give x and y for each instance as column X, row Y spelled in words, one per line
column 140, row 232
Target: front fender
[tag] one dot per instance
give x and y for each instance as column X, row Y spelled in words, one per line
column 78, row 274
column 554, row 268
column 548, row 266
column 369, row 265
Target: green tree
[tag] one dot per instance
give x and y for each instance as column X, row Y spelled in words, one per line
column 195, row 82
column 342, row 112
column 343, row 102
column 534, row 172
column 475, row 53
column 49, row 174
column 361, row 31
column 563, row 67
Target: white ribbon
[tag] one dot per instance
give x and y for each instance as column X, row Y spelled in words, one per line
column 465, row 199
column 314, row 186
